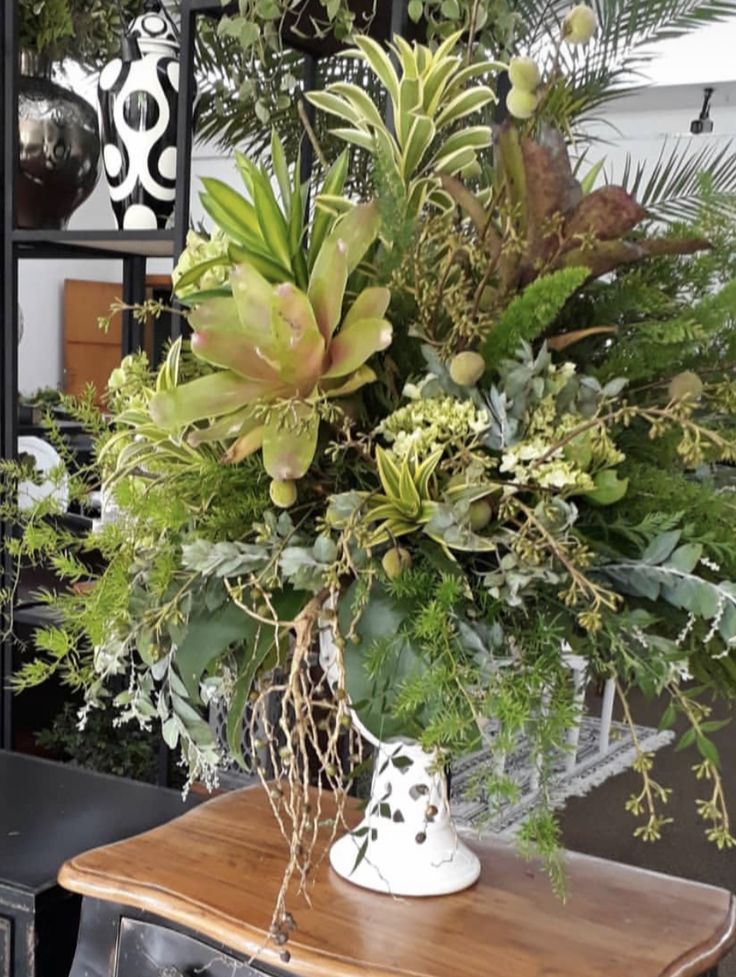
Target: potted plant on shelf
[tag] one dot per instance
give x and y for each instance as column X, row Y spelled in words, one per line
column 404, row 430
column 59, row 145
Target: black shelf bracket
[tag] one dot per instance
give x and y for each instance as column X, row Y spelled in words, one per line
column 9, row 350
column 131, row 248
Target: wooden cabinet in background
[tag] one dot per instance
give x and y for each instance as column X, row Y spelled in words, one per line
column 91, row 353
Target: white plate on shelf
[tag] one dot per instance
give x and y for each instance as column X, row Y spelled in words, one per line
column 47, row 460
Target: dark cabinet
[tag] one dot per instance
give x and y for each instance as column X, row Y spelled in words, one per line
column 121, row 941
column 50, row 812
column 6, row 934
column 148, row 949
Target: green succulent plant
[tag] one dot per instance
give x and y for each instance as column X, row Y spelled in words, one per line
column 410, row 501
column 277, row 353
column 428, row 99
column 265, row 228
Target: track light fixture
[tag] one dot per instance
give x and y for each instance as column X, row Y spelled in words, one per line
column 703, row 123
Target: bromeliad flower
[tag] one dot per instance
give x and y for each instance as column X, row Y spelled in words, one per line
column 279, row 352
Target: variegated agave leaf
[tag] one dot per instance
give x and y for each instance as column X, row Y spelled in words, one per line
column 407, row 505
column 431, row 93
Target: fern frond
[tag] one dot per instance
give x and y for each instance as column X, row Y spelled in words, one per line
column 531, row 313
column 702, row 334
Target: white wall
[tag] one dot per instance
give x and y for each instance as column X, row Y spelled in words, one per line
column 657, row 119
column 41, row 282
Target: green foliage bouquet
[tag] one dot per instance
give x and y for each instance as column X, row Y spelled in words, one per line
column 427, row 421
column 87, row 31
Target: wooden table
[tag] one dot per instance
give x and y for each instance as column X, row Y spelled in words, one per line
column 196, row 896
column 48, row 813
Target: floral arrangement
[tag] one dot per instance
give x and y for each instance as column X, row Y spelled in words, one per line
column 434, row 421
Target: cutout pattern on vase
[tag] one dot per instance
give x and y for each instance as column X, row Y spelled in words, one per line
column 407, row 843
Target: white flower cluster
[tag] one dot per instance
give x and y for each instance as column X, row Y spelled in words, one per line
column 424, row 425
column 556, row 472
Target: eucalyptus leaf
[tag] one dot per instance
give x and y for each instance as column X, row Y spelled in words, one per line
column 209, row 635
column 373, row 696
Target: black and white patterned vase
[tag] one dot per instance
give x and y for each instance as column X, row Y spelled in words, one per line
column 138, row 94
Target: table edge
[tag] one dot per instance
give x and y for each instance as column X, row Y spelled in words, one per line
column 243, row 938
column 252, row 943
column 707, row 954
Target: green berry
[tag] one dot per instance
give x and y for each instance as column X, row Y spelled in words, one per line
column 524, row 74
column 467, row 368
column 579, row 25
column 480, row 514
column 395, row 562
column 521, row 104
column 687, row 384
column 283, row 494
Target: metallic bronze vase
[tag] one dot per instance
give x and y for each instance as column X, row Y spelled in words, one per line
column 58, row 148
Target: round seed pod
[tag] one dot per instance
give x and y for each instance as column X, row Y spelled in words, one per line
column 395, row 562
column 480, row 515
column 524, row 74
column 283, row 494
column 467, row 368
column 687, row 384
column 580, row 24
column 521, row 104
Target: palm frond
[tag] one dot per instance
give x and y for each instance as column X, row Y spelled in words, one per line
column 628, row 24
column 236, row 109
column 681, row 182
column 623, row 24
column 612, row 64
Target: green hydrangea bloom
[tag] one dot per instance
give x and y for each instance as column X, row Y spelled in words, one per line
column 424, row 425
column 198, row 250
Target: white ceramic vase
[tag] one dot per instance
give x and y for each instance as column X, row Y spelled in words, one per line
column 406, row 844
column 138, row 94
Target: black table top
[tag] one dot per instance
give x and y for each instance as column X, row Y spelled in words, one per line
column 51, row 811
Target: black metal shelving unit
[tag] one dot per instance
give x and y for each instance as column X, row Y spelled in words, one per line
column 133, row 248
